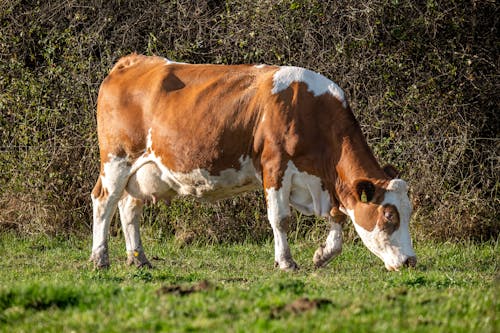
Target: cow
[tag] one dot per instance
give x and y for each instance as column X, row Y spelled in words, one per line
column 169, row 129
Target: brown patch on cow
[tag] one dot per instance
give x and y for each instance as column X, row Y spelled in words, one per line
column 336, row 214
column 368, row 214
column 172, row 83
column 120, row 128
column 179, row 290
column 297, row 128
column 215, row 105
column 388, row 219
column 99, row 191
column 371, row 214
column 299, row 306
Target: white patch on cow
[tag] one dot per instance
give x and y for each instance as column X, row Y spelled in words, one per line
column 379, row 244
column 302, row 191
column 307, row 194
column 171, row 62
column 397, row 195
column 151, row 179
column 332, row 247
column 396, row 248
column 99, row 229
column 149, row 139
column 316, row 83
column 130, row 212
column 334, row 239
column 260, row 66
column 114, row 177
column 278, row 206
column 278, row 209
column 115, row 169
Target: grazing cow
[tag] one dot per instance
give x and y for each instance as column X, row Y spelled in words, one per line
column 213, row 131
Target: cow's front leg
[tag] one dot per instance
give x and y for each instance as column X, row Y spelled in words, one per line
column 333, row 246
column 130, row 213
column 278, row 211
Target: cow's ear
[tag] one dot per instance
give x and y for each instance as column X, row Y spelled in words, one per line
column 364, row 189
column 391, row 171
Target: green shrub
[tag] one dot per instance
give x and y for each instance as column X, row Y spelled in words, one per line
column 421, row 78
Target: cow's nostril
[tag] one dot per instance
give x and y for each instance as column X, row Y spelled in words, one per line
column 411, row 261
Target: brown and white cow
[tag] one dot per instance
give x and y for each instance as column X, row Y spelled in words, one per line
column 213, row 131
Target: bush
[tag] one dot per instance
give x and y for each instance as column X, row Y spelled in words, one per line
column 421, row 78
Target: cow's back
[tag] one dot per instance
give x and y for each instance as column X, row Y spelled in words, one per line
column 192, row 116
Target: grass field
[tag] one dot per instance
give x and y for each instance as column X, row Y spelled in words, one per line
column 47, row 285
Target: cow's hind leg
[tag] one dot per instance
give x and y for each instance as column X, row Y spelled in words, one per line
column 105, row 196
column 130, row 214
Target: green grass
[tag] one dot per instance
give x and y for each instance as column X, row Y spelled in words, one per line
column 47, row 285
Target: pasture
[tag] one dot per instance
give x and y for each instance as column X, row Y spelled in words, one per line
column 48, row 285
column 422, row 80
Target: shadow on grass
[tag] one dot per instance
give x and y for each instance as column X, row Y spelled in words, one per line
column 17, row 302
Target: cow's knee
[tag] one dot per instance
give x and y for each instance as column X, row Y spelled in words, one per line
column 332, row 248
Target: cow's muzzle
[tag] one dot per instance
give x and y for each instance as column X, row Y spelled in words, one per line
column 410, row 262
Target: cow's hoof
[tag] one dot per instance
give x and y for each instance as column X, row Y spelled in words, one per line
column 318, row 258
column 100, row 260
column 287, row 266
column 322, row 257
column 138, row 258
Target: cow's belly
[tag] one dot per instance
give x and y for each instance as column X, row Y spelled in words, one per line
column 153, row 181
column 147, row 184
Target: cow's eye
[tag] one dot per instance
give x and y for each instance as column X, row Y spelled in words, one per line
column 389, row 226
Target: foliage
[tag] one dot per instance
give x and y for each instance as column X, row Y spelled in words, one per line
column 422, row 78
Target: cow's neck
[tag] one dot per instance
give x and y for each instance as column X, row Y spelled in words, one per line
column 356, row 161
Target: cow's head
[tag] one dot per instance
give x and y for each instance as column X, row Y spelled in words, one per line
column 381, row 215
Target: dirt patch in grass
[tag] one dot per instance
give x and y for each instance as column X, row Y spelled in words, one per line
column 299, row 306
column 233, row 280
column 180, row 290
